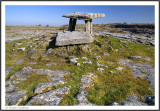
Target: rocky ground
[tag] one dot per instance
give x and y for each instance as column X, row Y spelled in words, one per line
column 116, row 69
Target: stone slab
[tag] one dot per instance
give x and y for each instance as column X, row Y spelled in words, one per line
column 70, row 38
column 84, row 16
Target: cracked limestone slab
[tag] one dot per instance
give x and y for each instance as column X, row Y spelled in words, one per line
column 51, row 98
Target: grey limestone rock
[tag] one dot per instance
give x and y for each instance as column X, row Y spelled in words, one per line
column 21, row 49
column 8, row 69
column 51, row 98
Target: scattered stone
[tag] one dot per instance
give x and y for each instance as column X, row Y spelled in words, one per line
column 50, row 64
column 21, row 49
column 78, row 64
column 51, row 98
column 102, row 65
column 19, row 61
column 32, row 62
column 74, row 60
column 116, row 50
column 105, row 53
column 112, row 72
column 87, row 62
column 120, row 68
column 39, row 89
column 114, row 104
column 49, row 51
column 17, row 44
column 85, row 58
column 137, row 57
column 97, row 57
column 100, row 69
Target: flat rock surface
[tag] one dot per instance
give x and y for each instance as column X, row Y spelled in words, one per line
column 84, row 16
column 51, row 98
column 75, row 37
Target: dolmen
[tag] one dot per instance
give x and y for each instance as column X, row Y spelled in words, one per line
column 71, row 36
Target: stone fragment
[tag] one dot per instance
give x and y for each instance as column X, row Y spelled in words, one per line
column 17, row 44
column 78, row 64
column 39, row 89
column 97, row 57
column 147, row 59
column 137, row 57
column 120, row 68
column 74, row 60
column 85, row 58
column 87, row 62
column 32, row 62
column 102, row 65
column 49, row 51
column 21, row 49
column 100, row 69
column 50, row 64
column 105, row 53
column 19, row 61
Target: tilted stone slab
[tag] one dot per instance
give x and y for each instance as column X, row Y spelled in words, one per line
column 84, row 16
column 75, row 37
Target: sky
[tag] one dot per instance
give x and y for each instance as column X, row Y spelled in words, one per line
column 52, row 14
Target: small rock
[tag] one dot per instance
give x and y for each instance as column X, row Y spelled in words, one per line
column 19, row 61
column 100, row 69
column 74, row 60
column 116, row 50
column 120, row 68
column 17, row 44
column 97, row 57
column 21, row 49
column 125, row 46
column 87, row 62
column 85, row 58
column 78, row 64
column 105, row 53
column 49, row 51
column 137, row 57
column 50, row 64
column 112, row 72
column 102, row 65
column 32, row 63
column 12, row 55
column 114, row 104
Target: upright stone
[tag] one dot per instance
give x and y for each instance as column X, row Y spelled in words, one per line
column 74, row 24
column 87, row 22
column 70, row 25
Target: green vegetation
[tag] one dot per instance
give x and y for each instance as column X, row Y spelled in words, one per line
column 108, row 87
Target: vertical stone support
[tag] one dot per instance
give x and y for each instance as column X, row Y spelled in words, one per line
column 70, row 25
column 91, row 28
column 74, row 24
column 87, row 22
